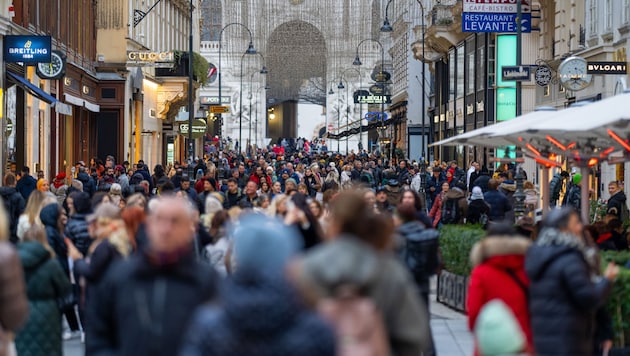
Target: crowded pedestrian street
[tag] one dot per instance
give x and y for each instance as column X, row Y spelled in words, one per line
column 314, row 178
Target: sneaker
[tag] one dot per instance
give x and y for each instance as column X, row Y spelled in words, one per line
column 67, row 335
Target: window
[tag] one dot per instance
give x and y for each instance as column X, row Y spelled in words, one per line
column 625, row 13
column 460, row 71
column 211, row 18
column 481, row 68
column 470, row 65
column 608, row 14
column 451, row 74
column 592, row 13
column 546, row 90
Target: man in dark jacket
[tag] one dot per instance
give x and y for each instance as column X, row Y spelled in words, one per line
column 404, row 178
column 27, row 184
column 617, row 200
column 434, row 185
column 144, row 304
column 499, row 203
column 555, row 187
column 89, row 185
column 14, row 204
column 482, row 180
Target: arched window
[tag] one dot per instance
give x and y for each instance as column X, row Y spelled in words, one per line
column 211, row 20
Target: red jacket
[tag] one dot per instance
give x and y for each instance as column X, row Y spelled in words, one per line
column 492, row 258
column 256, row 179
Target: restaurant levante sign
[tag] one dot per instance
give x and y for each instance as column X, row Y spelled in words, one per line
column 607, row 68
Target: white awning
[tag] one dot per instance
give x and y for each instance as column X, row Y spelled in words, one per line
column 71, row 99
column 91, row 107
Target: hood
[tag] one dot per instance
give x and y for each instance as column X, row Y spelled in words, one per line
column 508, row 186
column 501, row 249
column 347, row 260
column 619, row 196
column 454, row 193
column 6, row 192
column 50, row 215
column 82, row 203
column 32, row 254
column 83, row 177
column 415, row 231
column 551, row 243
column 260, row 305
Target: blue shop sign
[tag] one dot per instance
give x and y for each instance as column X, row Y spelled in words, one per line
column 27, row 49
column 495, row 22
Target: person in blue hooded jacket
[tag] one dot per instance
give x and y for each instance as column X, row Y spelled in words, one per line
column 261, row 313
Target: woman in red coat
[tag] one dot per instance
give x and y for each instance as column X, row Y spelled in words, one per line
column 498, row 273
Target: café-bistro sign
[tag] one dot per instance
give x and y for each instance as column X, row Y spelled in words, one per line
column 150, row 59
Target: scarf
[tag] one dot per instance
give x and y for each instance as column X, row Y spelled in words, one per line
column 165, row 259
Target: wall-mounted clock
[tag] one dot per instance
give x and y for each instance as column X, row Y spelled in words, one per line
column 53, row 70
column 573, row 74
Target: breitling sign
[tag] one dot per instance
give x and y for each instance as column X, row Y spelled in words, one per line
column 150, row 59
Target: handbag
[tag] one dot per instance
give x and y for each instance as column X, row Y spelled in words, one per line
column 67, row 302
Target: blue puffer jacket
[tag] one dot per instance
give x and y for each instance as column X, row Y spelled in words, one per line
column 77, row 232
column 563, row 297
column 259, row 316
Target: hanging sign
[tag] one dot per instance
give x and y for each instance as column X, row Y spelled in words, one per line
column 198, row 128
column 27, row 49
column 607, row 68
column 150, row 59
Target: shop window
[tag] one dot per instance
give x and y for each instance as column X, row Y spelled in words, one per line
column 108, row 93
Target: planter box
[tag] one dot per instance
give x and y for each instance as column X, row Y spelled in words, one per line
column 452, row 290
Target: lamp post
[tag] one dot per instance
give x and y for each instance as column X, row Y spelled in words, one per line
column 357, row 62
column 266, row 87
column 387, row 27
column 341, row 86
column 263, row 70
column 330, row 92
column 250, row 50
column 191, row 142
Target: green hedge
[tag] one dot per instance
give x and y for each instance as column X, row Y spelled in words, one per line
column 619, row 302
column 456, row 241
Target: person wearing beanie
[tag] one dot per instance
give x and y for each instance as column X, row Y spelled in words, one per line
column 478, row 209
column 115, row 194
column 262, row 247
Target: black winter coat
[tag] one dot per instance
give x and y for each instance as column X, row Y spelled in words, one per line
column 143, row 309
column 15, row 204
column 475, row 209
column 616, row 202
column 419, row 252
column 259, row 316
column 49, row 217
column 104, row 256
column 563, row 300
column 26, row 185
column 89, row 185
column 77, row 231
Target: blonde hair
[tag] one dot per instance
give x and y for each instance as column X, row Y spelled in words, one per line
column 272, row 210
column 36, row 233
column 117, row 234
column 34, row 206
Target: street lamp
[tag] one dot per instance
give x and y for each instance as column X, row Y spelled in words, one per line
column 387, row 27
column 343, row 73
column 263, row 70
column 266, row 87
column 191, row 105
column 250, row 50
column 357, row 62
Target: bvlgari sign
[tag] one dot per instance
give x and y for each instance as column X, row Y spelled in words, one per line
column 607, row 68
column 150, row 59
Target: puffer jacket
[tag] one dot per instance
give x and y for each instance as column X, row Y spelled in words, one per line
column 499, row 273
column 49, row 216
column 46, row 282
column 563, row 295
column 390, row 286
column 499, row 205
column 252, row 321
column 77, row 232
column 89, row 186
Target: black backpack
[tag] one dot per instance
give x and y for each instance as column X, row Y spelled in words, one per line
column 450, row 211
column 421, row 256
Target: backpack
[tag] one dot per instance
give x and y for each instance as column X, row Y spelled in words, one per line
column 450, row 212
column 421, row 256
column 358, row 324
column 497, row 331
column 367, row 178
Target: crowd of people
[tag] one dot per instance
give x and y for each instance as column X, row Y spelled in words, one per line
column 281, row 251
